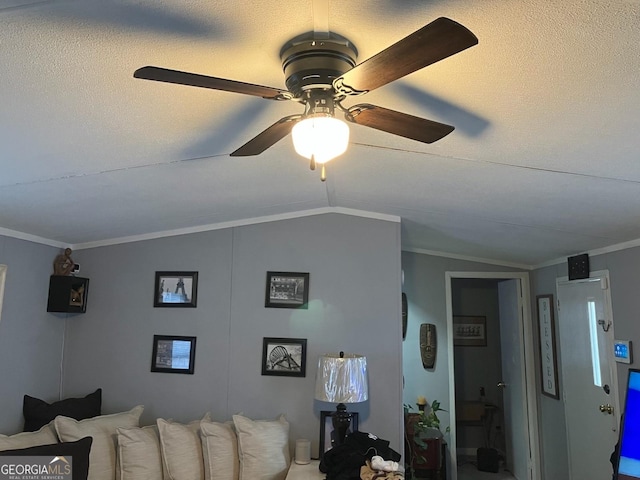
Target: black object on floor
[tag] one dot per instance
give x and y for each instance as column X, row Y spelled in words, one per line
column 488, row 460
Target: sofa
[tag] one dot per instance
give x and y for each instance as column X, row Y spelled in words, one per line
column 116, row 447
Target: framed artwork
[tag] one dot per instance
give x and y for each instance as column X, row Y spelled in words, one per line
column 284, row 357
column 547, row 345
column 287, row 290
column 327, row 436
column 175, row 289
column 173, row 354
column 470, row 331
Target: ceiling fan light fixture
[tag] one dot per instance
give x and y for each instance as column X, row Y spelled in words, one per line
column 322, row 136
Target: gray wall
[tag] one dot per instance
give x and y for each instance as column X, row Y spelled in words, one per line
column 354, row 266
column 30, row 338
column 424, row 284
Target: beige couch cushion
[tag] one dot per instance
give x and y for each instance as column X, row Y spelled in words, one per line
column 182, row 449
column 45, row 436
column 139, row 453
column 263, row 448
column 102, row 459
column 220, row 451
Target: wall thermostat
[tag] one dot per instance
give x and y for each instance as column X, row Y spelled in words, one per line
column 622, row 351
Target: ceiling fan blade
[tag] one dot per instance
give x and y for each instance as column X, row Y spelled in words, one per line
column 433, row 42
column 195, row 80
column 402, row 124
column 268, row 137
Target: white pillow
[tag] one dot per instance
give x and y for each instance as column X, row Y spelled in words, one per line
column 139, row 453
column 220, row 451
column 102, row 458
column 45, row 436
column 263, row 448
column 182, row 449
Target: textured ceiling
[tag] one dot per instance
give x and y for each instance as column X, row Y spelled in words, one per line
column 544, row 162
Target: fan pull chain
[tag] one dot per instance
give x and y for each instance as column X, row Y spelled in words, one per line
column 313, row 163
column 323, row 173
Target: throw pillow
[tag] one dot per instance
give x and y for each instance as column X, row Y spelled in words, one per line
column 139, row 453
column 38, row 412
column 182, row 449
column 263, row 448
column 102, row 459
column 44, row 436
column 78, row 452
column 220, row 451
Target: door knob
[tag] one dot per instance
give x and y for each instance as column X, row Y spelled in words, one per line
column 606, row 409
column 502, row 385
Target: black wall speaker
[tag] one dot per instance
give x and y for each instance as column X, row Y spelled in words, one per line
column 578, row 266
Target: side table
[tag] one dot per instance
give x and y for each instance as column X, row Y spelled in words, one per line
column 310, row 471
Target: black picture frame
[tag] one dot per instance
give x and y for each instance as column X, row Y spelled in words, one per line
column 284, row 357
column 469, row 331
column 287, row 290
column 326, row 430
column 175, row 290
column 547, row 346
column 173, row 354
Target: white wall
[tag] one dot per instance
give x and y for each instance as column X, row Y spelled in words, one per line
column 30, row 338
column 354, row 305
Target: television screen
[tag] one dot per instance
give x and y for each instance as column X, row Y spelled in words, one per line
column 629, row 447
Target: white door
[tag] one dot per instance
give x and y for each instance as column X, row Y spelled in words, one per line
column 513, row 375
column 589, row 380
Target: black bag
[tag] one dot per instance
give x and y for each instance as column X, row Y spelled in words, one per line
column 343, row 462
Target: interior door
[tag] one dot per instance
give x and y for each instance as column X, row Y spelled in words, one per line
column 589, row 379
column 513, row 375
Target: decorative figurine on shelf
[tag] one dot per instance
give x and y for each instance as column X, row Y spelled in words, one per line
column 63, row 264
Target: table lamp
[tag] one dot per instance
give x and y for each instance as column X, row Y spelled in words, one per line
column 341, row 379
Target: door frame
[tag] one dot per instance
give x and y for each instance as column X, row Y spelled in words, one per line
column 527, row 358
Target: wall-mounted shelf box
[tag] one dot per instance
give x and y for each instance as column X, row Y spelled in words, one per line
column 67, row 294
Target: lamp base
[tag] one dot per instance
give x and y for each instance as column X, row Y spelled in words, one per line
column 341, row 421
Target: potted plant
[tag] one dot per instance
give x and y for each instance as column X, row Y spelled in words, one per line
column 423, row 437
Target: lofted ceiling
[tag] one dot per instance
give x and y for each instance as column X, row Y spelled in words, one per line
column 544, row 161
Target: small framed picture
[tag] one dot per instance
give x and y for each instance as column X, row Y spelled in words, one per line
column 287, row 290
column 285, row 357
column 175, row 289
column 470, row 331
column 173, row 354
column 327, row 435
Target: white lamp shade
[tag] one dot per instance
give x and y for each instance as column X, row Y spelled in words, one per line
column 342, row 380
column 323, row 137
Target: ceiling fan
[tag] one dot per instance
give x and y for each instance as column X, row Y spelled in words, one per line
column 321, row 72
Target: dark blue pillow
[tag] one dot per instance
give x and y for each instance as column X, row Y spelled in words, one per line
column 78, row 451
column 37, row 413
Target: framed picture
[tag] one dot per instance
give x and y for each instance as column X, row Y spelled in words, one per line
column 173, row 354
column 287, row 290
column 175, row 289
column 470, row 331
column 327, row 436
column 285, row 357
column 547, row 344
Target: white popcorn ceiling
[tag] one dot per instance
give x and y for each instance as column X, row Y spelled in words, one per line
column 544, row 162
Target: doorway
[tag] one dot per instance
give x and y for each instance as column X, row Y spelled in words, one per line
column 519, row 408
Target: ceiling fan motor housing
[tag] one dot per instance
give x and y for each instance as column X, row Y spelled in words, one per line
column 314, row 63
